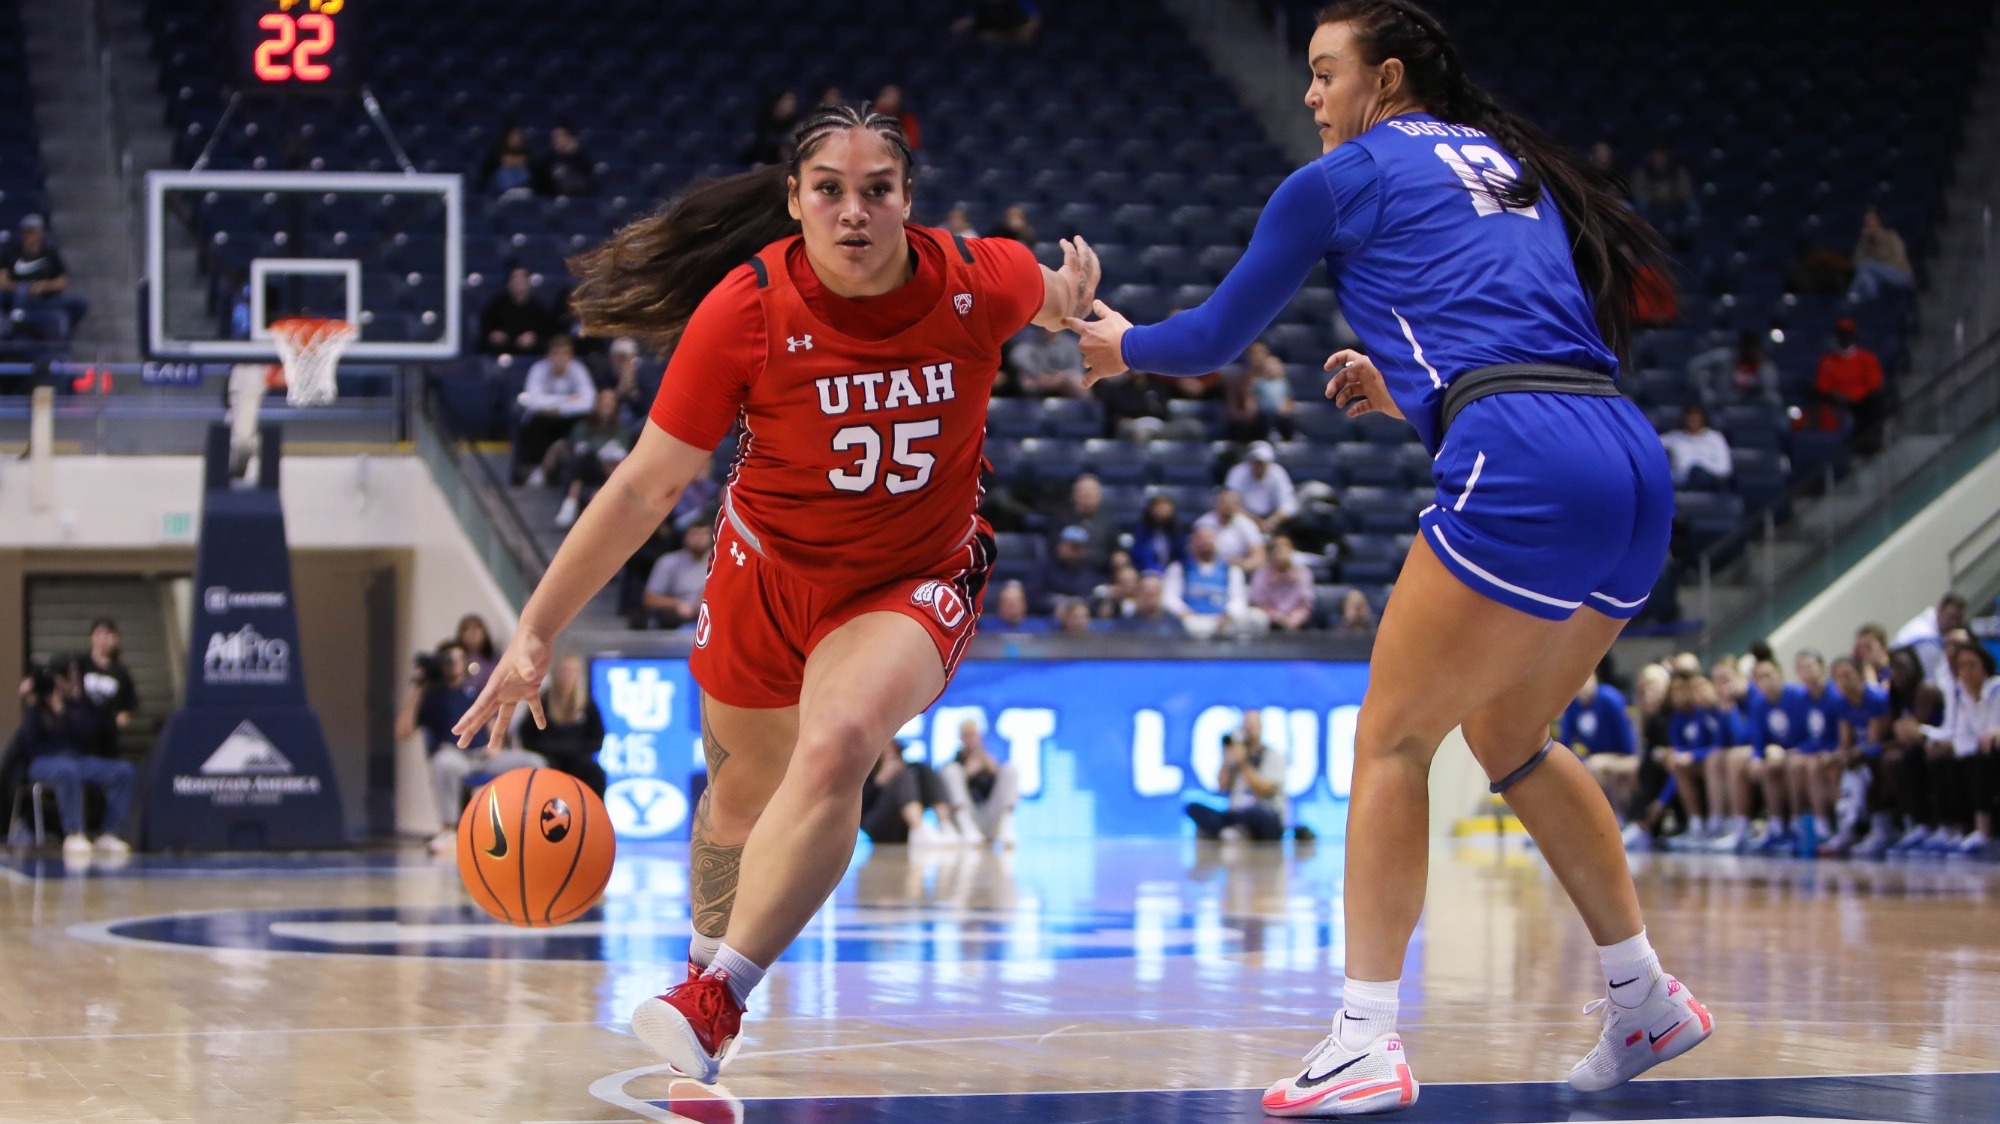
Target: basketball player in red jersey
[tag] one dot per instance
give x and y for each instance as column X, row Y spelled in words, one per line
column 859, row 353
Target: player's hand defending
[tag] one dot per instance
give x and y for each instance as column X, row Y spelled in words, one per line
column 1357, row 386
column 1103, row 342
column 517, row 678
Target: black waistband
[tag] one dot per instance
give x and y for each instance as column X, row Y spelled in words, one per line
column 1515, row 378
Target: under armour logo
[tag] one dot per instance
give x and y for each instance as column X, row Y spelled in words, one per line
column 736, row 552
column 798, row 343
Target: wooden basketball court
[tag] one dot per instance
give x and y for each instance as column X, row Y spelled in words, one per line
column 1123, row 980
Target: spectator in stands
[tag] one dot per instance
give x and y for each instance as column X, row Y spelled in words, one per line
column 509, row 171
column 1924, row 635
column 1010, row 612
column 1157, row 541
column 982, row 791
column 673, row 590
column 1663, row 189
column 1114, row 599
column 1604, row 160
column 1654, row 303
column 1871, row 654
column 41, row 302
column 107, row 683
column 889, row 103
column 1014, row 224
column 1136, row 409
column 568, row 171
column 1851, row 375
column 583, row 462
column 1073, row 616
column 1596, row 726
column 1001, row 21
column 1149, row 609
column 1282, row 588
column 1068, row 572
column 559, row 392
column 772, row 143
column 895, row 797
column 1273, row 390
column 1699, row 455
column 1086, row 509
column 1237, row 536
column 1047, row 364
column 1253, row 778
column 1742, row 374
column 959, row 221
column 1879, row 259
column 480, row 649
column 1263, row 486
column 575, row 730
column 438, row 697
column 515, row 322
column 55, row 743
column 634, row 401
column 1357, row 614
column 1209, row 594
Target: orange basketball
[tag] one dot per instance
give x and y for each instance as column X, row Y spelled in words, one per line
column 535, row 847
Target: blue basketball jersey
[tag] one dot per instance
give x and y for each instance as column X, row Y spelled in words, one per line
column 1447, row 278
column 1785, row 723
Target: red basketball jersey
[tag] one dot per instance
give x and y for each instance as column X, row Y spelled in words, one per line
column 861, row 458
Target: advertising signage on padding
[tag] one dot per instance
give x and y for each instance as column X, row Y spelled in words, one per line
column 1101, row 747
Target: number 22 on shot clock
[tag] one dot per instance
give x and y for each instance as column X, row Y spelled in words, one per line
column 295, row 44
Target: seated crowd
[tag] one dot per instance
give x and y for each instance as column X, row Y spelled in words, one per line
column 73, row 709
column 1891, row 749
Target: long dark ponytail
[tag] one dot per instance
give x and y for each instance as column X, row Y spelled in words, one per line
column 647, row 279
column 1612, row 246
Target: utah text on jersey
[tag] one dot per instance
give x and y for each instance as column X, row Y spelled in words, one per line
column 835, row 397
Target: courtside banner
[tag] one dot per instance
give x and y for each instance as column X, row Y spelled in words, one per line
column 1101, row 747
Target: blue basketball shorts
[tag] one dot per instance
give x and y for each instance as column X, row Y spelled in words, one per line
column 1547, row 503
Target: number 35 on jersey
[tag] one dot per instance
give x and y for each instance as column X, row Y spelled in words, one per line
column 869, row 392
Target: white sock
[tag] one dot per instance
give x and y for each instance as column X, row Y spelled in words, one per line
column 1715, row 825
column 1630, row 968
column 1739, row 825
column 743, row 976
column 702, row 950
column 1368, row 1011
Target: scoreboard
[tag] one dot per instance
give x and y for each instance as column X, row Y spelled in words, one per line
column 284, row 45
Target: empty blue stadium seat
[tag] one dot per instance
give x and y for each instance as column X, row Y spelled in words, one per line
column 1374, row 559
column 1368, row 464
column 1309, row 460
column 1014, row 417
column 1179, row 462
column 1075, row 418
column 1379, row 510
column 1050, row 459
column 1115, row 461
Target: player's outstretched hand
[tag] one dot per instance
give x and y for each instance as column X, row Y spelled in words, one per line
column 1081, row 269
column 1103, row 342
column 1357, row 385
column 517, row 678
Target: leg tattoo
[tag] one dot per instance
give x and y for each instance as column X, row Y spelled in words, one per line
column 712, row 867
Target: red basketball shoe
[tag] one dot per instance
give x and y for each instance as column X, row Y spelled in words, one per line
column 692, row 1025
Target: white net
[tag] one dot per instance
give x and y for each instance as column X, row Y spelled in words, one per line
column 310, row 349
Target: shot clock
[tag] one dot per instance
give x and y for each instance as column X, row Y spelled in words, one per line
column 296, row 45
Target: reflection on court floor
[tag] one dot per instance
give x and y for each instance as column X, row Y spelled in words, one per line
column 1144, row 980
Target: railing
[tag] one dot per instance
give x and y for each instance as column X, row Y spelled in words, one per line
column 1974, row 564
column 1959, row 410
column 479, row 501
column 173, row 420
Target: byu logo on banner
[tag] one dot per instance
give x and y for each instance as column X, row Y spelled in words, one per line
column 641, row 698
column 246, row 656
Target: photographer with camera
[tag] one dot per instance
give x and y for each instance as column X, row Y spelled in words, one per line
column 1253, row 774
column 440, row 694
column 56, row 744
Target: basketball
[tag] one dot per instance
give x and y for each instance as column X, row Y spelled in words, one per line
column 535, row 847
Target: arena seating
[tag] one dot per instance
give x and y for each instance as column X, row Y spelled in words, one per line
column 22, row 190
column 1163, row 169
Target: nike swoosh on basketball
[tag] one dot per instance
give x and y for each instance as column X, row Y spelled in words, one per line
column 499, row 848
column 1307, row 1081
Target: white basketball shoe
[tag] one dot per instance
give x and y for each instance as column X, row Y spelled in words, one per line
column 1668, row 1024
column 1338, row 1081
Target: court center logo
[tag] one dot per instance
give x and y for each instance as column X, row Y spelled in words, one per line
column 246, row 657
column 943, row 601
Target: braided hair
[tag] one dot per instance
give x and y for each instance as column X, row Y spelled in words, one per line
column 1611, row 245
column 647, row 279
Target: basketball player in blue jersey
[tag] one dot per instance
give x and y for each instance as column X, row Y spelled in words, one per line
column 1491, row 278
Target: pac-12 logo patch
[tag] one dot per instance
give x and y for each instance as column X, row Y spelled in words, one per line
column 701, row 626
column 962, row 302
column 942, row 600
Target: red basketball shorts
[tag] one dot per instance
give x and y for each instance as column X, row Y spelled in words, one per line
column 758, row 623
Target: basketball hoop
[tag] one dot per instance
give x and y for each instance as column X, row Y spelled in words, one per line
column 310, row 348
